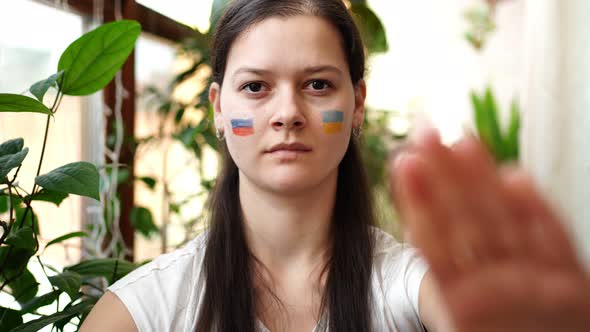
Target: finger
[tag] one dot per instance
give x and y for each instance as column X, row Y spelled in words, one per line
column 459, row 195
column 422, row 214
column 489, row 199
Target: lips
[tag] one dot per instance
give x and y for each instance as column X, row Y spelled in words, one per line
column 293, row 147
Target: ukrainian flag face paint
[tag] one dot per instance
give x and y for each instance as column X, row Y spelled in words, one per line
column 332, row 122
column 242, row 127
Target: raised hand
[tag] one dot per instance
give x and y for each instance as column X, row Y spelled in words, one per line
column 500, row 256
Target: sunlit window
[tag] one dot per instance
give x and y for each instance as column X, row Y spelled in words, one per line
column 194, row 13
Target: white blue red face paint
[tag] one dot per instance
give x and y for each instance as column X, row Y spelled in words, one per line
column 332, row 122
column 242, row 127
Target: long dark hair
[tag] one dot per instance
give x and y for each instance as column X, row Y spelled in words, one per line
column 229, row 301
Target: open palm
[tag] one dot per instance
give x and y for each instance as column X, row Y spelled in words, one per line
column 500, row 256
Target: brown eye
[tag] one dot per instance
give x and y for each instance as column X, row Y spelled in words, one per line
column 253, row 87
column 319, row 85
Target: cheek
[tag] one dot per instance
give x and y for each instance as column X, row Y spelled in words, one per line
column 241, row 137
column 332, row 122
column 242, row 126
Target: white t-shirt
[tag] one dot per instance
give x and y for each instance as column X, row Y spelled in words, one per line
column 166, row 294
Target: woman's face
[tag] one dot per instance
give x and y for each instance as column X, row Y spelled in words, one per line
column 287, row 104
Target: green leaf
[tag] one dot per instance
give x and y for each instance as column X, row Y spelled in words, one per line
column 79, row 178
column 40, row 88
column 211, row 140
column 50, row 196
column 10, row 161
column 9, row 319
column 18, row 259
column 17, row 103
column 11, row 146
column 66, row 237
column 23, row 238
column 68, row 282
column 187, row 135
column 512, row 139
column 216, row 11
column 122, row 175
column 371, row 28
column 491, row 114
column 102, row 267
column 484, row 119
column 92, row 61
column 40, row 301
column 150, row 182
column 28, row 219
column 142, row 220
column 4, row 204
column 25, row 287
column 178, row 116
column 38, row 324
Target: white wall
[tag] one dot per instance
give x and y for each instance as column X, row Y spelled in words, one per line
column 431, row 68
column 556, row 132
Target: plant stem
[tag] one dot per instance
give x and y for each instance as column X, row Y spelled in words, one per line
column 46, row 276
column 10, row 221
column 56, row 103
column 53, row 109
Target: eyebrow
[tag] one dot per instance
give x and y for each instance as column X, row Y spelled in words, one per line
column 307, row 70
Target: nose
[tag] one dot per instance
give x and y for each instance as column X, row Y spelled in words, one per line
column 289, row 113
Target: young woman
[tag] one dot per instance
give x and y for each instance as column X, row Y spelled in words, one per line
column 291, row 245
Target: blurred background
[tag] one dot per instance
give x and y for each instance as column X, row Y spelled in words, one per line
column 515, row 72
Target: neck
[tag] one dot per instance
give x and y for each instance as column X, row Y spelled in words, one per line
column 293, row 230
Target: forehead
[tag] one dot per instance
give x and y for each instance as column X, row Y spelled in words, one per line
column 288, row 44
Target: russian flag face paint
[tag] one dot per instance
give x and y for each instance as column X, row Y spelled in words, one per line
column 242, row 127
column 332, row 121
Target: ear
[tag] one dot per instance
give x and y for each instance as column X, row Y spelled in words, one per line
column 360, row 95
column 214, row 99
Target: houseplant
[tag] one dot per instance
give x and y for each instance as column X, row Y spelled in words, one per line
column 85, row 67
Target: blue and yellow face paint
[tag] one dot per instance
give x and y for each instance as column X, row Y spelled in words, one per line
column 242, row 127
column 332, row 122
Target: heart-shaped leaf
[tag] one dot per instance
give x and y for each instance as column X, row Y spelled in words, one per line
column 23, row 238
column 50, row 196
column 10, row 161
column 371, row 28
column 79, row 178
column 40, row 88
column 18, row 103
column 25, row 287
column 11, row 146
column 92, row 61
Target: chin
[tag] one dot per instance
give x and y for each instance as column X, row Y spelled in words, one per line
column 289, row 184
column 292, row 181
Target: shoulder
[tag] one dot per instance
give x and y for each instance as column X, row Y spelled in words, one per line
column 395, row 259
column 158, row 295
column 109, row 314
column 169, row 267
column 398, row 271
